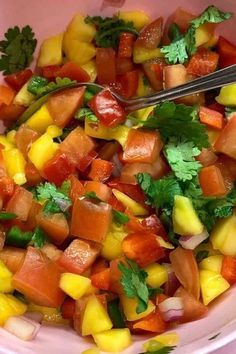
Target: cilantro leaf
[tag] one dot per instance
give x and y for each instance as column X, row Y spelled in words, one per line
column 133, row 281
column 39, row 238
column 65, row 187
column 174, row 32
column 86, row 113
column 109, row 30
column 36, row 84
column 17, row 48
column 181, row 159
column 41, row 89
column 163, row 350
column 56, row 201
column 120, row 217
column 93, row 196
column 7, row 216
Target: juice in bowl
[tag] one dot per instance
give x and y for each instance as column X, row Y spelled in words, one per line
column 117, row 229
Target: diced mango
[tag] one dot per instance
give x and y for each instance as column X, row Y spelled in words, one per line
column 185, row 219
column 91, row 351
column 6, row 143
column 50, row 314
column 204, row 33
column 54, row 131
column 11, row 136
column 227, row 96
column 143, row 113
column 212, row 42
column 213, row 135
column 130, row 305
column 24, row 97
column 81, row 31
column 143, row 90
column 213, row 263
column 77, row 51
column 223, row 236
column 212, row 285
column 111, row 247
column 10, row 306
column 95, row 317
column 15, row 165
column 5, row 279
column 167, row 340
column 51, row 51
column 140, row 54
column 74, row 285
column 91, row 69
column 165, row 244
column 157, row 275
column 139, row 18
column 113, row 340
column 132, row 205
column 40, row 120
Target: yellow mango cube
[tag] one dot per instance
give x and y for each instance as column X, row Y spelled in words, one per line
column 185, row 219
column 114, row 340
column 204, row 33
column 130, row 305
column 81, row 31
column 157, row 275
column 5, row 279
column 213, row 263
column 167, row 340
column 15, row 165
column 24, row 97
column 212, row 285
column 91, row 68
column 140, row 55
column 10, row 306
column 95, row 317
column 6, row 143
column 132, row 205
column 227, row 96
column 139, row 18
column 142, row 90
column 77, row 51
column 11, row 136
column 51, row 51
column 111, row 247
column 223, row 236
column 42, row 150
column 91, row 351
column 40, row 120
column 74, row 285
column 54, row 131
column 50, row 314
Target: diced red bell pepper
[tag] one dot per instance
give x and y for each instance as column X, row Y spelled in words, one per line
column 17, row 80
column 58, row 168
column 50, row 72
column 38, row 279
column 79, row 256
column 101, row 280
column 68, row 308
column 116, row 204
column 108, row 150
column 55, row 226
column 73, row 72
column 99, row 265
column 227, row 52
column 126, row 43
column 11, row 113
column 143, row 248
column 142, row 146
column 32, row 175
column 151, row 323
column 63, row 105
column 228, row 269
column 154, row 71
column 150, row 36
column 90, row 221
column 6, row 95
column 128, row 83
column 211, row 118
column 7, row 186
column 86, row 161
column 107, row 109
column 101, row 170
column 207, row 157
column 102, row 190
column 226, row 143
column 77, row 145
column 203, row 62
column 153, row 224
column 106, row 65
column 20, row 203
column 124, row 65
column 77, row 188
column 12, row 257
column 212, row 182
column 24, row 137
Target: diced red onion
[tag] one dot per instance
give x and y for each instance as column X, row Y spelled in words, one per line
column 22, row 327
column 34, row 316
column 171, row 309
column 117, row 166
column 191, row 242
column 63, row 204
column 172, row 283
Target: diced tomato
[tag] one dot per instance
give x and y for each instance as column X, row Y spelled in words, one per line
column 151, row 323
column 24, row 137
column 143, row 248
column 106, row 65
column 193, row 309
column 142, row 146
column 227, row 61
column 102, row 190
column 124, row 65
column 203, row 62
column 101, row 170
column 68, row 308
column 99, row 265
column 186, row 270
column 108, row 150
column 101, row 280
column 38, row 279
column 174, row 75
column 86, row 161
column 227, row 52
column 150, row 36
column 128, row 83
column 6, row 94
column 55, row 226
column 12, row 257
column 64, row 104
column 115, row 276
column 7, row 186
column 211, row 118
column 32, row 175
column 31, row 221
column 107, row 109
column 17, row 80
column 10, row 113
column 58, row 168
column 154, row 225
column 154, row 71
column 212, row 181
column 77, row 188
column 79, row 256
column 133, row 191
column 126, row 43
column 77, row 145
column 227, row 164
column 73, row 72
column 90, row 221
column 228, row 270
column 217, row 107
column 207, row 157
column 182, row 18
column 226, row 143
column 50, row 72
column 20, row 203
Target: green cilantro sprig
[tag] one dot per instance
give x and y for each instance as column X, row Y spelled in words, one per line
column 86, row 113
column 40, row 86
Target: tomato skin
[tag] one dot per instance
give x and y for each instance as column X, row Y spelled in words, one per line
column 11, row 112
column 106, row 65
column 38, row 279
column 212, row 182
column 211, row 118
column 228, row 270
column 77, row 188
column 55, row 226
column 73, row 72
column 150, row 36
column 202, row 63
column 79, row 256
column 86, row 161
column 154, row 71
column 227, row 52
column 102, row 190
column 50, row 72
column 58, row 168
column 129, row 83
column 186, row 270
column 101, row 170
column 24, row 137
column 12, row 257
column 126, row 43
column 226, row 142
column 107, row 109
column 20, row 203
column 124, row 65
column 17, row 80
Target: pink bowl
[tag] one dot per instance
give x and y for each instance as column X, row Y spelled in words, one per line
column 48, row 17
